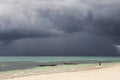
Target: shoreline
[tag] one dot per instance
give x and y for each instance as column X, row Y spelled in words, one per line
column 108, row 73
column 88, row 67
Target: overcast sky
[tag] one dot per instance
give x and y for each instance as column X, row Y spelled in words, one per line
column 59, row 27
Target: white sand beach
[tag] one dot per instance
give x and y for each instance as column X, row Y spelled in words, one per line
column 109, row 73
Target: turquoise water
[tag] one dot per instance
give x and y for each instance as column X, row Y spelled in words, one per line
column 19, row 63
column 55, row 59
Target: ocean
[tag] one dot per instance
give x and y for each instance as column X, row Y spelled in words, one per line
column 16, row 63
column 31, row 65
column 56, row 59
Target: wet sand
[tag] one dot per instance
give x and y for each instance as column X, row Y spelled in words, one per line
column 108, row 73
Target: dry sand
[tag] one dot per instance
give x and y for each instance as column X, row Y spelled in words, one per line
column 110, row 73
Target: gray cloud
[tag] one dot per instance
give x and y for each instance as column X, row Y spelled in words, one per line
column 43, row 18
column 83, row 44
column 87, row 27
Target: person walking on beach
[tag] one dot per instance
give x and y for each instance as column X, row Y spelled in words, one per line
column 100, row 63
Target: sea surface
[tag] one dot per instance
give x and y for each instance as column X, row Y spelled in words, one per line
column 56, row 59
column 16, row 63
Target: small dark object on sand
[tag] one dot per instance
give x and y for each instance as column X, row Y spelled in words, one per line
column 100, row 63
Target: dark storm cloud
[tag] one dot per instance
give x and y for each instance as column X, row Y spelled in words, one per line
column 83, row 44
column 65, row 27
column 43, row 18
